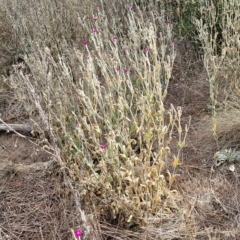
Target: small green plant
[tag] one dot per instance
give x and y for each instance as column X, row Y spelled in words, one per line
column 229, row 156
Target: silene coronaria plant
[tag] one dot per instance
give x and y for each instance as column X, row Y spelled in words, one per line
column 113, row 137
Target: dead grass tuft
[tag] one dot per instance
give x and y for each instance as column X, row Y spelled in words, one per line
column 227, row 132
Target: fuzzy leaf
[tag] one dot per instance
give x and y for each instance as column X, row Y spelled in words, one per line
column 175, row 162
column 232, row 167
column 181, row 145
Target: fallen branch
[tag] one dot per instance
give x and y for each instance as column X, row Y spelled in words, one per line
column 30, row 168
column 16, row 127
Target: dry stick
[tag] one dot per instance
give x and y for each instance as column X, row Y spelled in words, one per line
column 52, row 138
column 41, row 234
column 16, row 127
column 8, row 127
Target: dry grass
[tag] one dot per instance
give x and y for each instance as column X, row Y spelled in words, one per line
column 93, row 81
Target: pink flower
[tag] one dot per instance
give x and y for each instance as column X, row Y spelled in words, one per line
column 167, row 22
column 126, row 70
column 130, row 6
column 115, row 38
column 78, row 233
column 146, row 50
column 172, row 42
column 118, row 69
column 95, row 19
column 95, row 30
column 103, row 146
column 85, row 42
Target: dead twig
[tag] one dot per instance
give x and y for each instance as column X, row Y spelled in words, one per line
column 15, row 127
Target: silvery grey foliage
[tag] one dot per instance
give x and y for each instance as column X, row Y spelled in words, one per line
column 230, row 156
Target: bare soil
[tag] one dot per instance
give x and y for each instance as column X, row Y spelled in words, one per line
column 33, row 203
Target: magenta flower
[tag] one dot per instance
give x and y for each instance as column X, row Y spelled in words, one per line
column 103, row 146
column 167, row 22
column 85, row 42
column 172, row 42
column 126, row 70
column 115, row 38
column 118, row 69
column 146, row 50
column 130, row 6
column 78, row 233
column 95, row 19
column 95, row 30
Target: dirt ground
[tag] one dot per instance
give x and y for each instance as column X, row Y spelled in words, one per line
column 35, row 205
column 211, row 192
